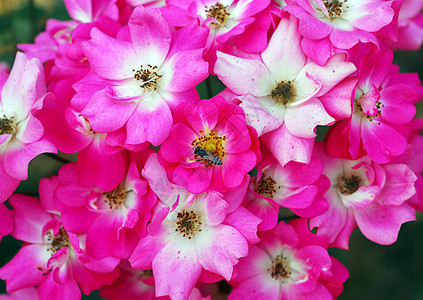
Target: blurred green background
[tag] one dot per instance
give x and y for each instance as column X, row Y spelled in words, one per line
column 376, row 272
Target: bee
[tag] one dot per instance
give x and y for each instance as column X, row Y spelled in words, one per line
column 208, row 156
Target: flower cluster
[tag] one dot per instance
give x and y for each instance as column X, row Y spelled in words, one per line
column 177, row 197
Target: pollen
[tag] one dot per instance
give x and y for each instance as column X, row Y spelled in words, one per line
column 211, row 142
column 335, row 8
column 116, row 197
column 283, row 92
column 147, row 77
column 188, row 223
column 218, row 12
column 266, row 186
column 57, row 242
column 7, row 125
column 280, row 269
column 378, row 105
column 349, row 184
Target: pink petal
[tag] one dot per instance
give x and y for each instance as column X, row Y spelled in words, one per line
column 373, row 15
column 382, row 141
column 333, row 72
column 395, row 108
column 213, row 208
column 106, row 114
column 399, row 185
column 30, row 218
column 202, row 115
column 337, row 101
column 8, row 183
column 176, row 270
column 245, row 222
column 238, row 139
column 20, row 92
column 287, row 147
column 106, row 237
column 195, row 180
column 244, row 76
column 151, row 121
column 302, row 120
column 22, row 271
column 218, row 249
column 261, row 286
column 236, row 166
column 381, row 224
column 17, row 157
column 97, row 166
column 146, row 250
column 283, row 55
column 53, row 290
column 258, row 116
column 184, row 70
column 110, row 58
column 150, row 34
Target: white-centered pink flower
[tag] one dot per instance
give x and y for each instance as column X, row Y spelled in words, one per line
column 243, row 23
column 289, row 263
column 51, row 258
column 190, row 234
column 328, row 25
column 21, row 133
column 364, row 194
column 113, row 220
column 282, row 89
column 147, row 70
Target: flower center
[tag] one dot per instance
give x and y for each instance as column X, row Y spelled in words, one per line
column 280, row 268
column 266, row 186
column 209, row 148
column 349, row 184
column 188, row 223
column 7, row 125
column 61, row 240
column 218, row 12
column 116, row 197
column 334, row 8
column 145, row 274
column 148, row 78
column 283, row 92
column 377, row 113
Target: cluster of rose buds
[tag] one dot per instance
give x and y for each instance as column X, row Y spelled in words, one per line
column 177, row 197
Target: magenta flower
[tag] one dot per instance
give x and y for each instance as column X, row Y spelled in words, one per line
column 113, row 220
column 291, row 186
column 364, row 194
column 381, row 104
column 191, row 235
column 288, row 263
column 296, row 186
column 281, row 88
column 243, row 23
column 147, row 70
column 21, row 133
column 51, row 258
column 218, row 128
column 331, row 25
